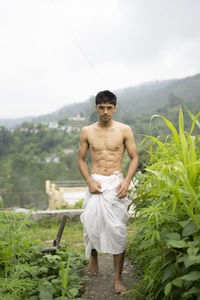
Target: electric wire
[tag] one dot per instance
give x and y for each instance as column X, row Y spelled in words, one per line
column 83, row 52
column 76, row 42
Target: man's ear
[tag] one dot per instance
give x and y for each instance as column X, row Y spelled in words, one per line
column 115, row 108
column 96, row 107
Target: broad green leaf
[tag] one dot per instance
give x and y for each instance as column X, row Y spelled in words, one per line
column 192, row 276
column 195, row 243
column 177, row 244
column 190, row 229
column 167, row 288
column 192, row 291
column 174, row 236
column 184, row 223
column 168, row 273
column 195, row 259
column 192, row 251
column 74, row 291
column 182, row 258
column 46, row 290
column 178, row 282
column 186, row 260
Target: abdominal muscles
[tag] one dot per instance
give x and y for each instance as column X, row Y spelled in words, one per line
column 106, row 162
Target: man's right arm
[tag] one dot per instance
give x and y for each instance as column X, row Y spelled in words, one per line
column 94, row 186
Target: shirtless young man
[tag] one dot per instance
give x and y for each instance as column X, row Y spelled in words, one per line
column 106, row 141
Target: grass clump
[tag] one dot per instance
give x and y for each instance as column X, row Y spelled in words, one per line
column 45, row 230
column 166, row 247
column 77, row 205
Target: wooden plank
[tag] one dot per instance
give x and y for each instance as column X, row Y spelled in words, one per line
column 56, row 242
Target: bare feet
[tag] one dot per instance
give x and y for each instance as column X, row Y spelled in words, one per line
column 93, row 266
column 119, row 287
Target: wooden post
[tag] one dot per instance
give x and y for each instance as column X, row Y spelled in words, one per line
column 56, row 242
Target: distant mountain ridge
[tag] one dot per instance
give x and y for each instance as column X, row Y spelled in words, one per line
column 135, row 100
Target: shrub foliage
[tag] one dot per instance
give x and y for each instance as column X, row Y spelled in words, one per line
column 166, row 249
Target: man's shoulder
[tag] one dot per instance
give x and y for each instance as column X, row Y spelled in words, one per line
column 88, row 128
column 122, row 126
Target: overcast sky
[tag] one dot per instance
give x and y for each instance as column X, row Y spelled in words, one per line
column 55, row 52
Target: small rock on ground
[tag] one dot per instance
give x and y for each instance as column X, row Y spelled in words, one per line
column 101, row 287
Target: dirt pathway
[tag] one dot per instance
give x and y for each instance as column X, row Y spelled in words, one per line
column 101, row 287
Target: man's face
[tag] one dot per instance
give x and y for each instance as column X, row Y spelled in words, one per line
column 105, row 111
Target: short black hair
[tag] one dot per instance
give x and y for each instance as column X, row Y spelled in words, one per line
column 106, row 96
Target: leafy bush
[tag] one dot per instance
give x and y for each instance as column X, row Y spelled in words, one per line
column 166, row 249
column 79, row 204
column 27, row 274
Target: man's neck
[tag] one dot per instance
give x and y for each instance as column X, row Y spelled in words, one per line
column 105, row 124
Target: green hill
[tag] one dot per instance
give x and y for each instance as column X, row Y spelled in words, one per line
column 136, row 100
column 32, row 153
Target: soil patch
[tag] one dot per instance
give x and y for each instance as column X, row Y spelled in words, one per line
column 101, row 287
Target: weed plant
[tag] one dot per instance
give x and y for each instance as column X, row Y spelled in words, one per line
column 166, row 248
column 76, row 205
column 27, row 274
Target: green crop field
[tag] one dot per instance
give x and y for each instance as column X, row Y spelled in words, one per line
column 26, row 273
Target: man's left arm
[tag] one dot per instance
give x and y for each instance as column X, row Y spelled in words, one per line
column 133, row 155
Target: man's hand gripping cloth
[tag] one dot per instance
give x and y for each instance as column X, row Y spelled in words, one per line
column 105, row 216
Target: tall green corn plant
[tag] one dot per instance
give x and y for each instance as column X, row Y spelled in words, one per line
column 167, row 205
column 189, row 166
column 194, row 118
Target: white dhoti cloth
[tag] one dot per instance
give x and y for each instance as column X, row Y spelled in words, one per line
column 105, row 216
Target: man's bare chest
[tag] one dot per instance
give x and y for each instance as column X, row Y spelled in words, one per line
column 110, row 141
